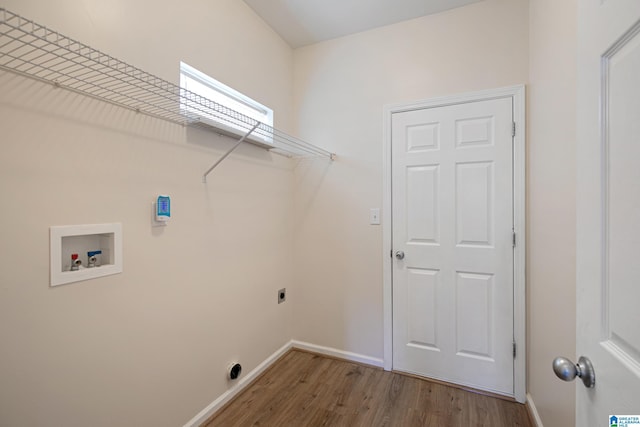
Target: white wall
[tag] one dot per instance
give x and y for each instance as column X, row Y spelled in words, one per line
column 551, row 199
column 341, row 87
column 149, row 346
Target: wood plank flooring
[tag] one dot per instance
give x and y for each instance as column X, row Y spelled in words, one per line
column 305, row 389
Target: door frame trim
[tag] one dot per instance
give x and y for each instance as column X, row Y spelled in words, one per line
column 519, row 215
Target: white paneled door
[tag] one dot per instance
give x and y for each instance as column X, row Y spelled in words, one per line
column 608, row 210
column 452, row 208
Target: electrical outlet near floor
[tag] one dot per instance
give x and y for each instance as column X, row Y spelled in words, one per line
column 282, row 295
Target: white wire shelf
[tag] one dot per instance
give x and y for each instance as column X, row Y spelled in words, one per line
column 33, row 50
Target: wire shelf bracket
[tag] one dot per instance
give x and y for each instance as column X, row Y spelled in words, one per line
column 35, row 51
column 224, row 156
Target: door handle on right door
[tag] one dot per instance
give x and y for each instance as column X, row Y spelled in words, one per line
column 400, row 255
column 566, row 370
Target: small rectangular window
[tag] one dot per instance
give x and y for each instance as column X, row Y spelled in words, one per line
column 201, row 84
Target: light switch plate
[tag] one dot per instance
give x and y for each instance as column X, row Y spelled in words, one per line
column 374, row 216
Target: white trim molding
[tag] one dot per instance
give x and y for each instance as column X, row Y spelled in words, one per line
column 340, row 354
column 242, row 383
column 246, row 380
column 517, row 93
column 533, row 412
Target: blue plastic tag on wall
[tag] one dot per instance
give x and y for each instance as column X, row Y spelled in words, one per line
column 163, row 208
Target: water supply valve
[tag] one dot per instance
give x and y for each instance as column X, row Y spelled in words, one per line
column 75, row 262
column 93, row 258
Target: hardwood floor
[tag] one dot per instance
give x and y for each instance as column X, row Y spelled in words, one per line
column 304, row 389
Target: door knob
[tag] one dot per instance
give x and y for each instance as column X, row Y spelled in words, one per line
column 566, row 370
column 400, row 255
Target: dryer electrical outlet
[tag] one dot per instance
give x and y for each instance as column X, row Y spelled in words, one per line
column 282, row 295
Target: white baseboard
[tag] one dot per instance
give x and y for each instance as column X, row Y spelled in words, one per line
column 340, row 354
column 237, row 388
column 531, row 407
column 243, row 382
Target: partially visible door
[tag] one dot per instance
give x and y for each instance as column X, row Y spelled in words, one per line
column 452, row 225
column 608, row 208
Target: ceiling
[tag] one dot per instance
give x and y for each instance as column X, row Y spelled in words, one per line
column 304, row 22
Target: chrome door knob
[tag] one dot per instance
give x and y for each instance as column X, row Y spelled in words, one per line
column 566, row 370
column 400, row 255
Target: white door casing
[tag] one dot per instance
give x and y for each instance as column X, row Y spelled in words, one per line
column 455, row 291
column 608, row 208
